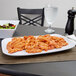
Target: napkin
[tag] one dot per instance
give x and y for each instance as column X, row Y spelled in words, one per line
column 72, row 37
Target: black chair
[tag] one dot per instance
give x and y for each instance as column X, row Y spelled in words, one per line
column 37, row 20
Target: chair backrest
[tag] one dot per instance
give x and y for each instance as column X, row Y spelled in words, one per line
column 38, row 19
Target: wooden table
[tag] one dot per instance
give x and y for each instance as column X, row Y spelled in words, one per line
column 34, row 67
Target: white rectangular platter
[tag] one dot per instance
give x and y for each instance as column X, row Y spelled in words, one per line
column 70, row 45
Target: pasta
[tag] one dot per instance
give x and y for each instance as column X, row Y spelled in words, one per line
column 33, row 44
column 17, row 44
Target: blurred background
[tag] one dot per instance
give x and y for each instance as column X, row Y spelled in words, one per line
column 8, row 9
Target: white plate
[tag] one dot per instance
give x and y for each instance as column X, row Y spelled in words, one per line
column 23, row 53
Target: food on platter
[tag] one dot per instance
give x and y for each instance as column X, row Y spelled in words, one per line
column 32, row 44
column 7, row 26
column 17, row 44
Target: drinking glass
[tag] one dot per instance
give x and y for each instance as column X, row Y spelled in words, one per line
column 50, row 15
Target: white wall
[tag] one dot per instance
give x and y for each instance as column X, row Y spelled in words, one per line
column 8, row 8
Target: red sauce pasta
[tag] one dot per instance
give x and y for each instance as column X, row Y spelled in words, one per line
column 33, row 44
